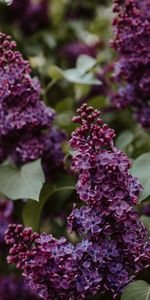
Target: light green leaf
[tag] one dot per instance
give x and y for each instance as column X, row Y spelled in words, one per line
column 73, row 76
column 141, row 170
column 32, row 210
column 146, row 221
column 85, row 63
column 25, row 182
column 138, row 290
column 124, row 139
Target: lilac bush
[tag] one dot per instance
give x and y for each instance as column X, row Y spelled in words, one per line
column 103, row 247
column 115, row 244
column 132, row 72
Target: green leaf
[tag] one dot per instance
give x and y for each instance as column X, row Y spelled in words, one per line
column 25, row 182
column 124, row 139
column 85, row 63
column 146, row 221
column 138, row 290
column 73, row 76
column 32, row 211
column 141, row 170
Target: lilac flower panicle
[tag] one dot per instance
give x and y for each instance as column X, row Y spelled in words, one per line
column 23, row 116
column 115, row 244
column 131, row 41
column 26, row 131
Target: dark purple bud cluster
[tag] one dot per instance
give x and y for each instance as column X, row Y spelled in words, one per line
column 12, row 288
column 115, row 244
column 6, row 217
column 23, row 116
column 30, row 15
column 132, row 71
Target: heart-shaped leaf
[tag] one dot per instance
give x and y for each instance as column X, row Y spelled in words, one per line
column 138, row 290
column 25, row 182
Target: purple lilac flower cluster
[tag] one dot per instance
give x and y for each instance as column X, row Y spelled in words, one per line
column 29, row 16
column 23, row 116
column 114, row 246
column 131, row 41
column 21, row 111
column 53, row 155
column 13, row 288
column 47, row 145
column 6, row 217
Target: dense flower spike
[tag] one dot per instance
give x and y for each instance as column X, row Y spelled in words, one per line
column 114, row 246
column 30, row 16
column 23, row 116
column 131, row 41
column 13, row 288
